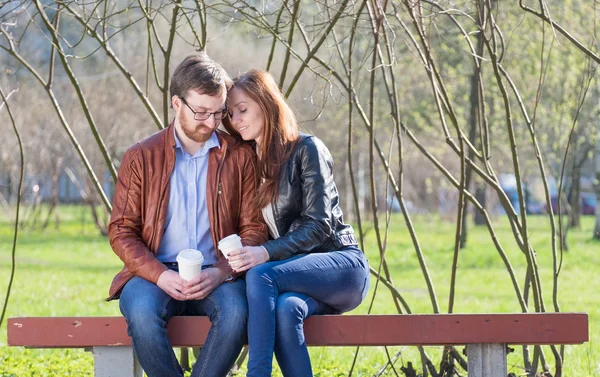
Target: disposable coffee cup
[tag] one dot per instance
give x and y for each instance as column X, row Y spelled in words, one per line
column 190, row 263
column 229, row 244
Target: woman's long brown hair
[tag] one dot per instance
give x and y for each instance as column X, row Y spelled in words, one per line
column 279, row 134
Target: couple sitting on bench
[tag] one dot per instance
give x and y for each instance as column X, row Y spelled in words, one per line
column 189, row 186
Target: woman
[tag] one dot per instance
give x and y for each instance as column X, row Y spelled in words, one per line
column 311, row 264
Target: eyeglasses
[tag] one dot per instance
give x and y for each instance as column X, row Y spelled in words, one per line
column 204, row 115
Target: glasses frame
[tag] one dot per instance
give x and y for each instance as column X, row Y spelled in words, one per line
column 224, row 112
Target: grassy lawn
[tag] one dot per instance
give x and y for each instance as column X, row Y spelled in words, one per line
column 66, row 272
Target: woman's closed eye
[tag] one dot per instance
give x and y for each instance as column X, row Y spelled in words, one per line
column 231, row 112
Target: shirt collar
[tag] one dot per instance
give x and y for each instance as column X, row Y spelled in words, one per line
column 210, row 143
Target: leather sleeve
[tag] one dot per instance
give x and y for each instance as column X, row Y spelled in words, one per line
column 125, row 227
column 313, row 228
column 251, row 225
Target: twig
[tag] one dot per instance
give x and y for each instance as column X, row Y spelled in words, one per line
column 19, row 191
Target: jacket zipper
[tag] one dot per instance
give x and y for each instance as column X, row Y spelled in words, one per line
column 276, row 215
column 219, row 191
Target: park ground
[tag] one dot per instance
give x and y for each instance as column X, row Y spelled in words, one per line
column 66, row 271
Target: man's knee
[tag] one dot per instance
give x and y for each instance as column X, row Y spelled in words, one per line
column 230, row 307
column 141, row 312
column 144, row 322
column 234, row 319
column 144, row 312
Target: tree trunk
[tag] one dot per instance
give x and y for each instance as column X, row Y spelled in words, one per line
column 349, row 210
column 574, row 198
column 597, row 190
column 55, row 196
column 481, row 196
column 597, row 171
column 9, row 193
column 6, row 205
column 473, row 135
column 363, row 200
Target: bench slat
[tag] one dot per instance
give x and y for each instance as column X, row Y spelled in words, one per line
column 327, row 330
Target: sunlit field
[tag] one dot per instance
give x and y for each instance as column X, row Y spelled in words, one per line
column 66, row 271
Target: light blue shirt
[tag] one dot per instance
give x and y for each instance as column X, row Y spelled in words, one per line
column 187, row 225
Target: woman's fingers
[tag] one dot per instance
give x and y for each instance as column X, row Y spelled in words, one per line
column 247, row 257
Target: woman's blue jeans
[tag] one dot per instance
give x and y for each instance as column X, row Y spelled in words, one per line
column 148, row 308
column 282, row 294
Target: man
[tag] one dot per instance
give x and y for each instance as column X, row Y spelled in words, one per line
column 185, row 187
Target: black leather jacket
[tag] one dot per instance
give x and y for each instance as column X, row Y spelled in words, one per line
column 307, row 212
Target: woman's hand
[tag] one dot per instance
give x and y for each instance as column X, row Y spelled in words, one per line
column 247, row 257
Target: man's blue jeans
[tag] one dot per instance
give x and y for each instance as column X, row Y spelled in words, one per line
column 148, row 308
column 282, row 294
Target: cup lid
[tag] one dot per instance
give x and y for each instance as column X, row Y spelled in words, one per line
column 230, row 239
column 190, row 256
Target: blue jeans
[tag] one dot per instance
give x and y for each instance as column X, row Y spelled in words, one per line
column 148, row 308
column 282, row 294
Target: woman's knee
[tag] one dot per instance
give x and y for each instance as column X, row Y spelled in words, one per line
column 259, row 281
column 258, row 274
column 291, row 310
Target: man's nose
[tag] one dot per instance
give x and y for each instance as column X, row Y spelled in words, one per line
column 211, row 120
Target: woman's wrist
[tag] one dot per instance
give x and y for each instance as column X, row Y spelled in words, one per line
column 266, row 257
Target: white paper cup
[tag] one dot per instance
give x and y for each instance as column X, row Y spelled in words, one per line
column 229, row 244
column 190, row 263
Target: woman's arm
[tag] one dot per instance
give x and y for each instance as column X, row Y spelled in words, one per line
column 313, row 227
column 251, row 226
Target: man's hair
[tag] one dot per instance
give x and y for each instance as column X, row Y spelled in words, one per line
column 199, row 72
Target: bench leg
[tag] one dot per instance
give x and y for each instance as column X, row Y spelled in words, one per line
column 487, row 360
column 116, row 362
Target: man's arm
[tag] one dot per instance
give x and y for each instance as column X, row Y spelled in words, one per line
column 125, row 227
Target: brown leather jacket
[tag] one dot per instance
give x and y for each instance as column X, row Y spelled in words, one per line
column 142, row 194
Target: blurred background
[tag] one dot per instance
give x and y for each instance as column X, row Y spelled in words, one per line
column 458, row 128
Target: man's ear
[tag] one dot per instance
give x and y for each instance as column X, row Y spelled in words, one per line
column 175, row 103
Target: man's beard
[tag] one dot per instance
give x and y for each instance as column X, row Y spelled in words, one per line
column 195, row 132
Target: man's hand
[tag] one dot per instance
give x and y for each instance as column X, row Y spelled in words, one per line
column 202, row 285
column 247, row 257
column 173, row 284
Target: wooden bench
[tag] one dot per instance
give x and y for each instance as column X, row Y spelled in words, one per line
column 486, row 336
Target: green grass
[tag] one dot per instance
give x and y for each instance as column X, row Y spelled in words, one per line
column 67, row 271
